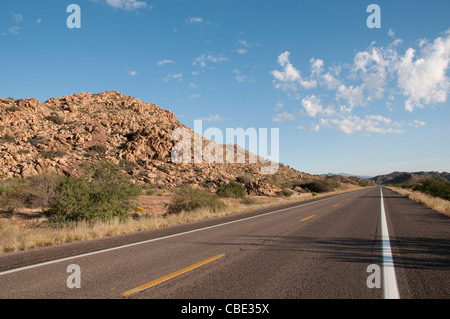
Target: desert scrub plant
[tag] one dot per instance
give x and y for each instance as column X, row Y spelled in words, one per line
column 437, row 187
column 287, row 192
column 32, row 192
column 318, row 186
column 101, row 193
column 188, row 199
column 232, row 189
column 55, row 118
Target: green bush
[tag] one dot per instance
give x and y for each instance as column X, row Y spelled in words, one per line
column 318, row 186
column 232, row 189
column 55, row 119
column 32, row 192
column 437, row 187
column 100, row 194
column 287, row 192
column 188, row 199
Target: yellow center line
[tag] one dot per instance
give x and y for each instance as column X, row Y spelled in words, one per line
column 307, row 218
column 170, row 276
column 335, row 205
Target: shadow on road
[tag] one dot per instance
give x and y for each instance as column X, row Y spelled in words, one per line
column 409, row 253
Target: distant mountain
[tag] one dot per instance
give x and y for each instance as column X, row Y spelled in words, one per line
column 407, row 178
column 348, row 175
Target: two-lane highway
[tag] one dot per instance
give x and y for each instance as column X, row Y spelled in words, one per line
column 317, row 249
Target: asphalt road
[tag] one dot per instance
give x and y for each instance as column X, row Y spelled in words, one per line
column 316, row 249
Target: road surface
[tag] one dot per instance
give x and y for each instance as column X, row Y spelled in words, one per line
column 334, row 247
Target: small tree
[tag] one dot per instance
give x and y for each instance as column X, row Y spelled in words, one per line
column 103, row 192
column 232, row 189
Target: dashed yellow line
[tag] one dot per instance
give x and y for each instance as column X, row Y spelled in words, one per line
column 307, row 218
column 335, row 205
column 170, row 276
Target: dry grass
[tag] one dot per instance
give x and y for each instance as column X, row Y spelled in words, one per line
column 16, row 237
column 440, row 205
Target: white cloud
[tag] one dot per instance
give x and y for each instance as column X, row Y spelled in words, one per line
column 192, row 20
column 353, row 95
column 241, row 51
column 244, row 43
column 164, row 62
column 38, row 21
column 132, row 72
column 169, row 77
column 212, row 118
column 17, row 17
column 350, row 124
column 316, row 66
column 330, row 81
column 194, row 96
column 14, row 30
column 127, row 4
column 418, row 123
column 290, row 78
column 418, row 76
column 282, row 117
column 241, row 77
column 424, row 79
column 203, row 59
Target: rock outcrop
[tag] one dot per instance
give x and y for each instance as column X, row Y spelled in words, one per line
column 56, row 136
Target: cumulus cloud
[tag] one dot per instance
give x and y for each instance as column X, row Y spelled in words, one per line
column 423, row 78
column 289, row 78
column 212, row 118
column 313, row 107
column 193, row 20
column 353, row 95
column 162, row 62
column 350, row 124
column 282, row 117
column 14, row 30
column 204, row 59
column 417, row 76
column 169, row 77
column 127, row 4
column 17, row 17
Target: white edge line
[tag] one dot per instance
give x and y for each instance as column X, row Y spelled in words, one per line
column 159, row 238
column 390, row 280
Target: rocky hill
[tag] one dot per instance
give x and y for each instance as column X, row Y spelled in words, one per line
column 58, row 135
column 407, row 178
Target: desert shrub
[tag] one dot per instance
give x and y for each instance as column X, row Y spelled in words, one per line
column 55, row 119
column 12, row 108
column 287, row 192
column 244, row 179
column 292, row 183
column 97, row 149
column 188, row 199
column 232, row 189
column 247, row 200
column 101, row 193
column 318, row 186
column 437, row 187
column 32, row 192
column 52, row 154
column 7, row 139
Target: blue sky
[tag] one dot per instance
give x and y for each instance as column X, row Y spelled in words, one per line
column 346, row 98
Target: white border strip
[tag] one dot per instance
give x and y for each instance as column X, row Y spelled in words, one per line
column 390, row 280
column 161, row 238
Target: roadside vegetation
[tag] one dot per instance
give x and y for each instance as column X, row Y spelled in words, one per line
column 433, row 193
column 48, row 210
